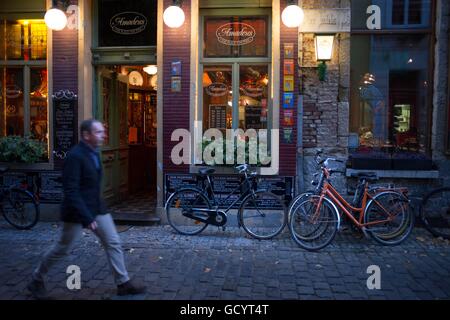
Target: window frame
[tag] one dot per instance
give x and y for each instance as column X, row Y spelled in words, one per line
column 235, row 63
column 26, row 66
column 389, row 14
column 430, row 31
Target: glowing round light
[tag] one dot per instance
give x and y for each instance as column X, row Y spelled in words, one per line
column 55, row 19
column 292, row 16
column 173, row 17
column 151, row 70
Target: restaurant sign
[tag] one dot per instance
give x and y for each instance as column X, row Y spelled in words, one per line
column 128, row 23
column 235, row 34
column 326, row 20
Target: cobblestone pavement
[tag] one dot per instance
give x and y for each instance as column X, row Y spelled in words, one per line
column 228, row 265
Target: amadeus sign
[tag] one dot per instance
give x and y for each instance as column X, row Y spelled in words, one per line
column 128, row 23
column 235, row 34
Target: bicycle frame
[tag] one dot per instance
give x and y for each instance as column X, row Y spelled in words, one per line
column 331, row 193
column 218, row 203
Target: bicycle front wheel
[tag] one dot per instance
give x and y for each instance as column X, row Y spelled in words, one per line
column 435, row 212
column 263, row 215
column 313, row 223
column 181, row 213
column 20, row 209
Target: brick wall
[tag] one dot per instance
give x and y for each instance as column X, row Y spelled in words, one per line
column 65, row 68
column 288, row 151
column 176, row 46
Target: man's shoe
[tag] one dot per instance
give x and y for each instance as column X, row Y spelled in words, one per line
column 130, row 288
column 38, row 290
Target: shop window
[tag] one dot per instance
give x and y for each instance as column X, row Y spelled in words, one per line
column 235, row 37
column 390, row 90
column 23, row 79
column 235, row 66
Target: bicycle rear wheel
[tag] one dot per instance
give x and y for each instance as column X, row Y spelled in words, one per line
column 20, row 209
column 435, row 212
column 180, row 211
column 263, row 215
column 393, row 208
column 313, row 224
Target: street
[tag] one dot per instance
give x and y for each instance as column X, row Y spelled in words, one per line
column 227, row 265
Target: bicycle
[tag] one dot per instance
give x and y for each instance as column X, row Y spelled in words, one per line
column 261, row 213
column 434, row 212
column 382, row 213
column 18, row 206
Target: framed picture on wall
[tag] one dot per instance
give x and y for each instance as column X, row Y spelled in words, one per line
column 288, row 84
column 288, row 67
column 288, row 50
column 288, row 100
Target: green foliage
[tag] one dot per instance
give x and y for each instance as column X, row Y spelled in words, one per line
column 21, row 149
column 235, row 159
column 322, row 70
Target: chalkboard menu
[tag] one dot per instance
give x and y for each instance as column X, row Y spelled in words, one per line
column 64, row 126
column 223, row 185
column 218, row 116
column 51, row 187
column 253, row 117
column 178, row 181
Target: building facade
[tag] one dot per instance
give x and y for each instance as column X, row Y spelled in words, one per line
column 380, row 101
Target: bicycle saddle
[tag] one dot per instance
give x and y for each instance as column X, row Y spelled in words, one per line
column 3, row 169
column 368, row 176
column 206, row 171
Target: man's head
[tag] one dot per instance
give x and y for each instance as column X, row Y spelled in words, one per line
column 92, row 132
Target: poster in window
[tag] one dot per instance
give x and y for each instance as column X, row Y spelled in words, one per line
column 288, row 118
column 288, row 83
column 288, row 100
column 253, row 117
column 288, row 50
column 218, row 116
column 289, row 67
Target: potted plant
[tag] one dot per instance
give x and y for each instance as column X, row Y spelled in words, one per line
column 21, row 149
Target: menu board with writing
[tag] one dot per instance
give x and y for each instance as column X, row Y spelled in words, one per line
column 253, row 117
column 64, row 126
column 51, row 187
column 218, row 116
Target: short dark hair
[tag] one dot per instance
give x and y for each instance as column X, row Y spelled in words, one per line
column 86, row 126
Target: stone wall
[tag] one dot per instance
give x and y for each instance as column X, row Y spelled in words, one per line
column 326, row 105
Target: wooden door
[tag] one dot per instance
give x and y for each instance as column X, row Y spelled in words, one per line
column 111, row 110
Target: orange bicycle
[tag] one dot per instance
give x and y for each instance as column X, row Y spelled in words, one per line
column 382, row 213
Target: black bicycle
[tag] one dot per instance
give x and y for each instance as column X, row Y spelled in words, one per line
column 261, row 213
column 19, row 206
column 435, row 212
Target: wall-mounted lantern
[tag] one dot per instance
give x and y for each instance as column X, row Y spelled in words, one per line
column 324, row 52
column 292, row 16
column 173, row 15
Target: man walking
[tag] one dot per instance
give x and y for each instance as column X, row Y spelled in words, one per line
column 82, row 207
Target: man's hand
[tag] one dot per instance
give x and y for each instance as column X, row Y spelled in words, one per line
column 93, row 226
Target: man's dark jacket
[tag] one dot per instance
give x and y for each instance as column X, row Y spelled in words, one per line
column 82, row 186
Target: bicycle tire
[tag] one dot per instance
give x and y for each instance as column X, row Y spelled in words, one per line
column 295, row 205
column 20, row 209
column 185, row 200
column 402, row 225
column 258, row 219
column 329, row 220
column 434, row 212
